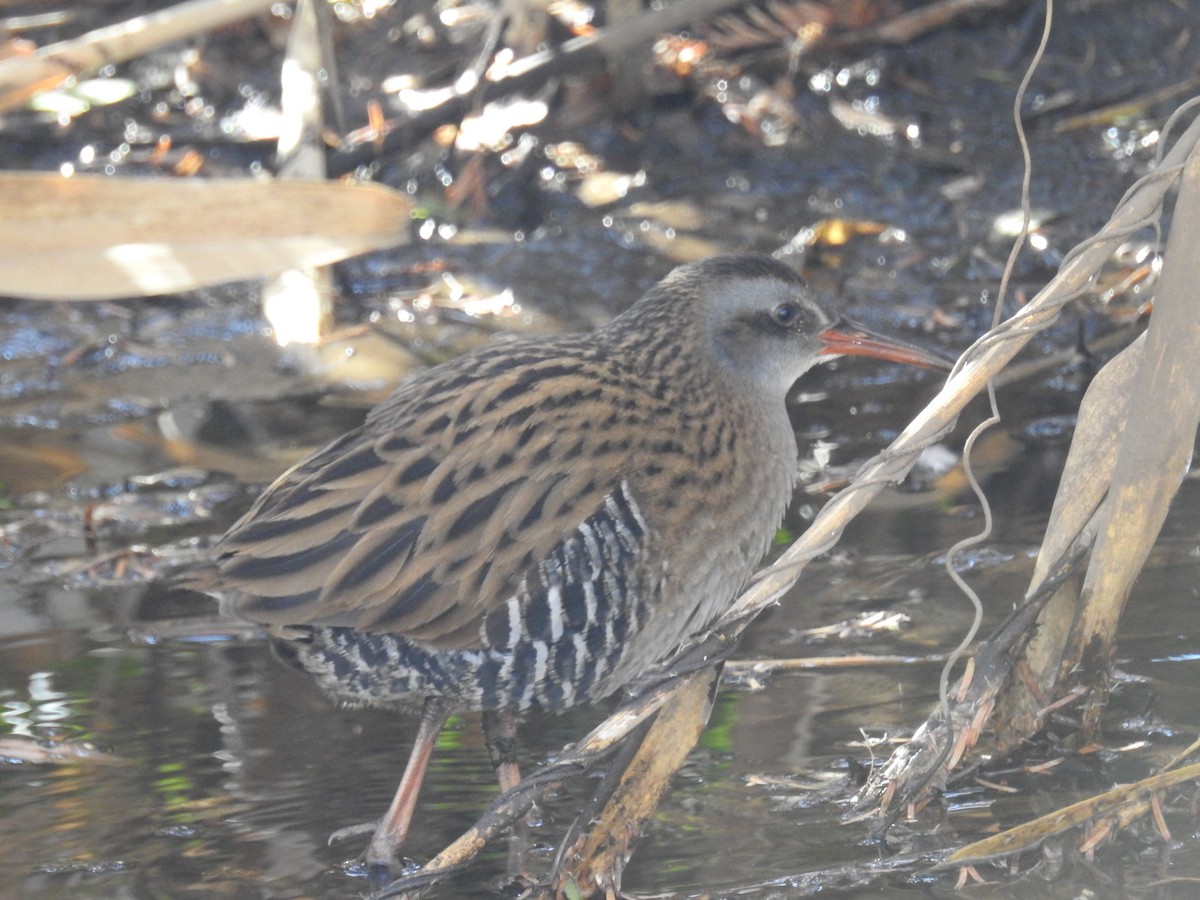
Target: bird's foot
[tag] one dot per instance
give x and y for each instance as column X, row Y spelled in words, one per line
column 351, row 831
column 381, row 861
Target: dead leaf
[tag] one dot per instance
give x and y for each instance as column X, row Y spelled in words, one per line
column 98, row 238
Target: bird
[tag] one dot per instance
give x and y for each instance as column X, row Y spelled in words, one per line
column 536, row 523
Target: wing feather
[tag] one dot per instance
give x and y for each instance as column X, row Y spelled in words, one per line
column 450, row 499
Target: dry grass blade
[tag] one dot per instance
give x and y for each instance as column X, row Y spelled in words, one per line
column 1131, row 450
column 1092, row 457
column 1112, row 803
column 594, row 864
column 97, row 238
column 1157, row 443
column 1086, row 479
column 743, row 668
column 23, row 76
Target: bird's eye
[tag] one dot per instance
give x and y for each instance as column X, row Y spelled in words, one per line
column 785, row 314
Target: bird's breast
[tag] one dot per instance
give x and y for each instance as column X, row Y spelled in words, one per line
column 713, row 515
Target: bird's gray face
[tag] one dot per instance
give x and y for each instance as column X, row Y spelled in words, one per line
column 755, row 323
column 772, row 330
column 766, row 330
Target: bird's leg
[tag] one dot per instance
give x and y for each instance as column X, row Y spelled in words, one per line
column 500, row 735
column 393, row 827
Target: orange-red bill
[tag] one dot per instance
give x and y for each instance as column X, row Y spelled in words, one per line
column 848, row 338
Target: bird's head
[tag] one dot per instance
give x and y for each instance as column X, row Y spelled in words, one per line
column 758, row 320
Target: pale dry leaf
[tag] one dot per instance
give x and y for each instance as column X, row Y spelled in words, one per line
column 1087, row 473
column 99, row 238
column 1156, row 447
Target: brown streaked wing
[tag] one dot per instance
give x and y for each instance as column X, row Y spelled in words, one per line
column 430, row 515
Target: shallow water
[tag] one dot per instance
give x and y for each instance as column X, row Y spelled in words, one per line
column 205, row 767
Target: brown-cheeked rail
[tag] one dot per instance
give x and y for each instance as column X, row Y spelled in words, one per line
column 538, row 522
